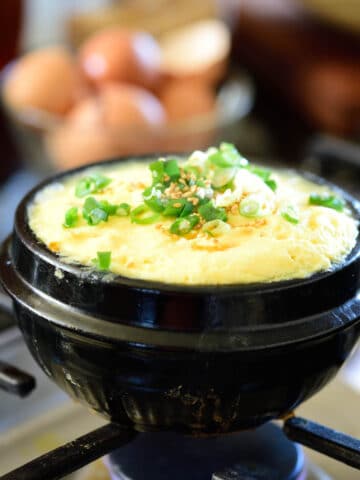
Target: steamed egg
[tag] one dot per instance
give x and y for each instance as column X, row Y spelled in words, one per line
column 117, row 54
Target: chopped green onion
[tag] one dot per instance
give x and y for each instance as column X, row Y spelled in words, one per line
column 290, row 214
column 271, row 183
column 200, row 183
column 226, row 156
column 174, row 208
column 249, row 207
column 216, row 228
column 123, row 210
column 193, row 170
column 182, row 226
column 172, row 169
column 96, row 216
column 94, row 212
column 143, row 215
column 107, row 207
column 209, row 212
column 84, row 187
column 203, row 201
column 91, row 184
column 71, row 217
column 263, row 173
column 157, row 171
column 327, row 200
column 223, row 176
column 100, row 181
column 103, row 260
column 152, row 198
column 188, row 208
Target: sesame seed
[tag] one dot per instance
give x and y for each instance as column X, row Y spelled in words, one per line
column 234, row 209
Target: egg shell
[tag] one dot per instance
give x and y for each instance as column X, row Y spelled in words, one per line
column 184, row 99
column 117, row 54
column 46, row 79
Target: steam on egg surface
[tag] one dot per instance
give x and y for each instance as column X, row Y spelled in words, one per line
column 256, row 227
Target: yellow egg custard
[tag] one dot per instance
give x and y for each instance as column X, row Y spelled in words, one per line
column 210, row 218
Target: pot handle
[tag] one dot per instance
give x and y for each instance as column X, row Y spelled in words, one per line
column 334, row 444
column 14, row 380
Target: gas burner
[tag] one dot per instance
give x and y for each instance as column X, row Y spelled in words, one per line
column 261, row 454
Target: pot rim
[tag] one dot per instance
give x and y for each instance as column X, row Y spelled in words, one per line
column 37, row 247
column 243, row 338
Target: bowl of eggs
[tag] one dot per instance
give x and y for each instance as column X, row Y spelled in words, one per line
column 123, row 92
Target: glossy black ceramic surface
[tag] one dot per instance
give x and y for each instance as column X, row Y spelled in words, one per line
column 195, row 359
column 167, row 388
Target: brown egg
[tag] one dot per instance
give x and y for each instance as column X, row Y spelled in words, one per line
column 70, row 147
column 198, row 51
column 117, row 54
column 125, row 105
column 117, row 121
column 184, row 99
column 86, row 114
column 46, row 79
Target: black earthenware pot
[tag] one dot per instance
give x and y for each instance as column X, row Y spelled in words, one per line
column 190, row 358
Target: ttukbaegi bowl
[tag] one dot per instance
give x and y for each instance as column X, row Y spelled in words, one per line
column 199, row 359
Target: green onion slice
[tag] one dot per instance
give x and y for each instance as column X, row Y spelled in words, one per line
column 123, row 210
column 265, row 175
column 143, row 215
column 271, row 183
column 327, row 200
column 209, row 212
column 184, row 225
column 95, row 212
column 249, row 207
column 103, row 260
column 226, row 156
column 174, row 208
column 290, row 214
column 157, row 171
column 91, row 184
column 216, row 228
column 188, row 208
column 152, row 198
column 193, row 170
column 107, row 207
column 71, row 217
column 172, row 169
column 223, row 176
